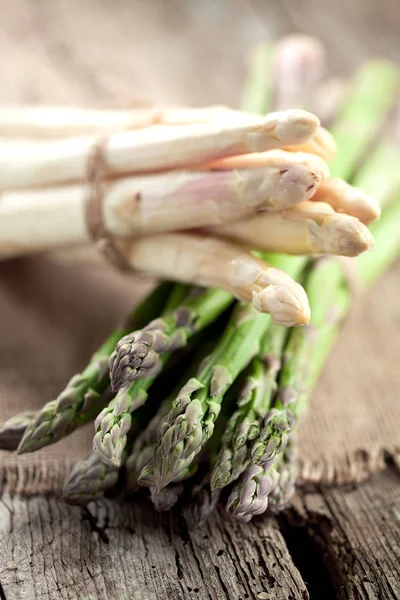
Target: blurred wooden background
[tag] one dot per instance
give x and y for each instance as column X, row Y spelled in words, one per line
column 335, row 543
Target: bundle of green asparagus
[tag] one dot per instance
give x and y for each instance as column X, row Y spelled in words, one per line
column 261, row 273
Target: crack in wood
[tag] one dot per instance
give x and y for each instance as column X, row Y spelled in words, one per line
column 94, row 526
column 2, row 594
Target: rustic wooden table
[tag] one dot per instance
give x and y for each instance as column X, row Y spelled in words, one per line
column 342, row 543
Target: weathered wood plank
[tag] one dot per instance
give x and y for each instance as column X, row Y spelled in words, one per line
column 357, row 531
column 49, row 551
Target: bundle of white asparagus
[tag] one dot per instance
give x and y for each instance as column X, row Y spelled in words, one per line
column 183, row 194
column 199, row 196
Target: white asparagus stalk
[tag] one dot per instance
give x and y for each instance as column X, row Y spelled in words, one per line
column 298, row 67
column 263, row 159
column 45, row 219
column 345, row 198
column 154, row 148
column 210, row 262
column 308, row 228
column 67, row 121
column 320, row 146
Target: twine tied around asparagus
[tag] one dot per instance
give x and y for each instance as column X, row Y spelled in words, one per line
column 94, row 217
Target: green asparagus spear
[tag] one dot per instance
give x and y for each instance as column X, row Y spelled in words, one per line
column 253, row 403
column 323, row 284
column 81, row 400
column 270, row 486
column 89, row 480
column 113, row 423
column 139, row 353
column 249, row 496
column 280, row 497
column 143, row 448
column 190, row 422
column 13, row 429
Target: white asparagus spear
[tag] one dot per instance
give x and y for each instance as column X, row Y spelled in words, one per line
column 322, row 144
column 67, row 121
column 210, row 262
column 45, row 219
column 263, row 159
column 154, row 148
column 307, row 228
column 345, row 198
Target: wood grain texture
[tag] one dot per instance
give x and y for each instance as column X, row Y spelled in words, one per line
column 357, row 531
column 91, row 53
column 127, row 551
column 112, row 551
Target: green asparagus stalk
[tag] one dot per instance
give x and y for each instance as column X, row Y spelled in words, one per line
column 369, row 101
column 322, row 284
column 143, row 448
column 13, row 429
column 89, row 480
column 280, row 497
column 270, row 486
column 253, row 403
column 81, row 400
column 190, row 422
column 139, row 354
column 113, row 423
column 249, row 496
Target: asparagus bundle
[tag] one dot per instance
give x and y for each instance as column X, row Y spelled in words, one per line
column 302, row 362
column 92, row 478
column 157, row 203
column 304, row 354
column 156, row 148
column 158, row 172
column 190, row 422
column 113, row 423
column 257, row 449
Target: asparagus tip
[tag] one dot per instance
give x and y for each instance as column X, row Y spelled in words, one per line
column 110, row 453
column 285, row 300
